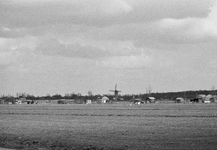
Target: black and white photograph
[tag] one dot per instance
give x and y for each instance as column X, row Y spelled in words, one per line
column 108, row 74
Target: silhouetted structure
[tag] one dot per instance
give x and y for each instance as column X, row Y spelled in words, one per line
column 115, row 92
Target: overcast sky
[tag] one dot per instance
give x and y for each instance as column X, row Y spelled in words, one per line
column 65, row 46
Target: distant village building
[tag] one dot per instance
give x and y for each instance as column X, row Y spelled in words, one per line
column 150, row 100
column 21, row 101
column 202, row 98
column 24, row 101
column 18, row 102
column 88, row 101
column 208, row 98
column 199, row 99
column 104, row 99
column 32, row 102
column 179, row 100
column 137, row 101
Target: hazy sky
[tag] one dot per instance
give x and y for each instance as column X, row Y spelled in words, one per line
column 65, row 46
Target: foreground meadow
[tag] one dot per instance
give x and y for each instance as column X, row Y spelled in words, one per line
column 109, row 126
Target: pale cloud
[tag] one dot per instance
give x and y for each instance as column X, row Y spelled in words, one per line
column 53, row 47
column 10, row 44
column 5, row 60
column 145, row 59
column 16, row 52
column 213, row 64
column 38, row 13
column 24, row 13
column 108, row 7
column 127, row 61
column 6, row 32
column 17, row 57
column 192, row 29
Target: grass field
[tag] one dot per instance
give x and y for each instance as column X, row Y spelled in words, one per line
column 109, row 126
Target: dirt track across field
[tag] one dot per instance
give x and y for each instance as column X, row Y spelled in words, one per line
column 112, row 126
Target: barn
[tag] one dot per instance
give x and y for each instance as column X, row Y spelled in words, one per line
column 179, row 100
column 150, row 100
column 21, row 101
column 18, row 101
column 88, row 101
column 137, row 101
column 202, row 97
column 104, row 99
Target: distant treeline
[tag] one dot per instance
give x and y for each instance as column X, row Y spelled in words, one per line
column 183, row 94
column 158, row 96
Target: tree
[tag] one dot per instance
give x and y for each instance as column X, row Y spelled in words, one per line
column 213, row 90
column 48, row 96
column 90, row 93
column 57, row 96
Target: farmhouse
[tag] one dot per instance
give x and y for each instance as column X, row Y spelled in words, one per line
column 150, row 100
column 137, row 101
column 201, row 98
column 31, row 102
column 210, row 98
column 104, row 99
column 18, row 102
column 21, row 101
column 179, row 100
column 88, row 101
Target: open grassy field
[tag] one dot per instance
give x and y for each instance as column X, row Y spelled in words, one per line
column 109, row 126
